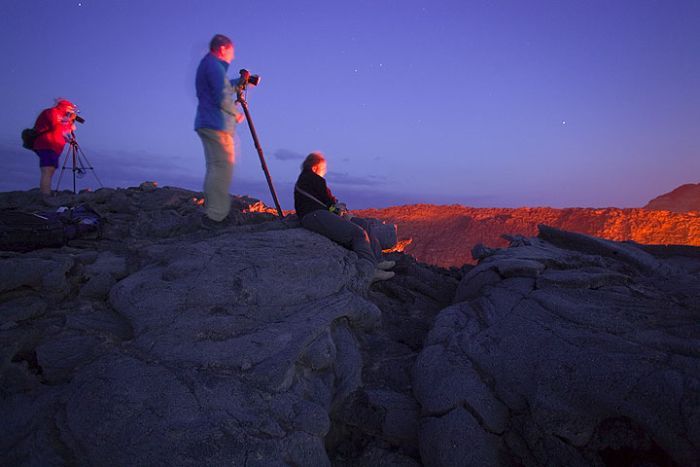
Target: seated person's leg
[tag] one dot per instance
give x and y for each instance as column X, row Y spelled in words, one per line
column 341, row 231
column 374, row 242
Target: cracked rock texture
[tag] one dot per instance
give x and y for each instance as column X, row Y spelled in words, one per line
column 163, row 343
column 565, row 350
column 261, row 344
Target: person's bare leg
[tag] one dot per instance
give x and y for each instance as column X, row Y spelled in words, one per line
column 45, row 182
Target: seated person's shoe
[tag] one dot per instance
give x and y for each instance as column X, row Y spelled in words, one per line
column 380, row 275
column 386, row 265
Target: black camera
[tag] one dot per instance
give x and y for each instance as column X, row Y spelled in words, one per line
column 247, row 78
column 74, row 115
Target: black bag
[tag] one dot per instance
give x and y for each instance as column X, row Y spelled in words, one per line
column 29, row 135
column 81, row 222
column 24, row 231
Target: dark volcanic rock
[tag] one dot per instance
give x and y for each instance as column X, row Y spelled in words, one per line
column 166, row 344
column 163, row 343
column 565, row 350
column 378, row 423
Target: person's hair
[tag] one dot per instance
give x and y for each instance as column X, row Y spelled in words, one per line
column 312, row 160
column 218, row 41
column 63, row 102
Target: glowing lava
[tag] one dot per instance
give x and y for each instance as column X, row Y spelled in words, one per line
column 445, row 235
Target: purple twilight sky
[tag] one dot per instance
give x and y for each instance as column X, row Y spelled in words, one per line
column 477, row 102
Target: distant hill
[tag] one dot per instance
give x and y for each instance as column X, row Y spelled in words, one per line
column 683, row 199
column 445, row 235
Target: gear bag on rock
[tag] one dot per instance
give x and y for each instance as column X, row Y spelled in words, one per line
column 25, row 231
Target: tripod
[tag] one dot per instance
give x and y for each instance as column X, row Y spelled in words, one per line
column 80, row 163
column 244, row 104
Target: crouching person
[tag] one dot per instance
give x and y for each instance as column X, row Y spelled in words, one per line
column 318, row 211
column 54, row 126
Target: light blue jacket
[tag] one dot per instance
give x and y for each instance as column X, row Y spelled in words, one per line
column 217, row 108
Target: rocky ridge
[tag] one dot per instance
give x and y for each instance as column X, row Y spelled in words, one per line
column 164, row 343
column 683, row 199
column 445, row 235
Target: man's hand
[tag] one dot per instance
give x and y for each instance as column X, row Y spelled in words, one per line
column 239, row 118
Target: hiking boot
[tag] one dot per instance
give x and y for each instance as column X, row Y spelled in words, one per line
column 380, row 275
column 210, row 224
column 386, row 265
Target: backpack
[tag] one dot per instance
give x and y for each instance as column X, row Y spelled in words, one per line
column 25, row 231
column 29, row 135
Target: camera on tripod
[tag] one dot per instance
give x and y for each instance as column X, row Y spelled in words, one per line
column 246, row 78
column 74, row 115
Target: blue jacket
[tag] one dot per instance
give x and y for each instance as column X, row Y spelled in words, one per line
column 217, row 96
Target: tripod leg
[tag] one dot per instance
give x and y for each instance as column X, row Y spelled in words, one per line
column 83, row 157
column 74, row 169
column 244, row 104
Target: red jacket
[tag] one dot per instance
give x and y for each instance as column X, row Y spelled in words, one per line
column 53, row 126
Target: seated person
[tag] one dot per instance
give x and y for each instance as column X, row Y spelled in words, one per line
column 318, row 210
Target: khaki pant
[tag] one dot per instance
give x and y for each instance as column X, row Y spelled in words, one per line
column 219, row 154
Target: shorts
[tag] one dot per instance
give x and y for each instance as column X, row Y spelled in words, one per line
column 48, row 158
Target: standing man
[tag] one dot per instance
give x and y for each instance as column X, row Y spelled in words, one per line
column 215, row 123
column 53, row 126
